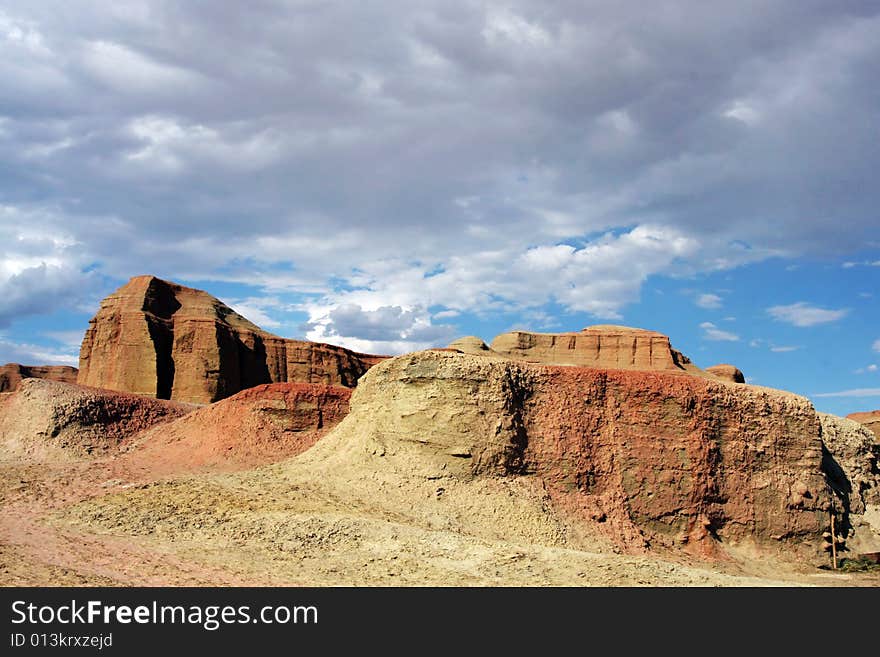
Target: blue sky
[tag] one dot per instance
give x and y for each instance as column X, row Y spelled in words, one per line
column 389, row 176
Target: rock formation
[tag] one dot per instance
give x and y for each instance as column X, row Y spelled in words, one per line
column 852, row 464
column 727, row 373
column 869, row 419
column 614, row 347
column 650, row 458
column 469, row 345
column 49, row 417
column 12, row 374
column 156, row 338
column 259, row 425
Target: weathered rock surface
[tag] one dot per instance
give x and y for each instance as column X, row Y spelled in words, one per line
column 12, row 374
column 168, row 341
column 852, row 465
column 259, row 425
column 727, row 373
column 603, row 346
column 869, row 419
column 49, row 417
column 651, row 458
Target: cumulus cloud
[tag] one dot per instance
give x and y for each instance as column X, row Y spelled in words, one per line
column 712, row 332
column 440, row 156
column 804, row 314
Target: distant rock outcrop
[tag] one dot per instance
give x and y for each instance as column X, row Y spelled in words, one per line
column 869, row 419
column 612, row 347
column 12, row 374
column 157, row 338
column 727, row 373
column 469, row 345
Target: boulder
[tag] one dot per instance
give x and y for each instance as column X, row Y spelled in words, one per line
column 157, row 338
column 469, row 345
column 727, row 373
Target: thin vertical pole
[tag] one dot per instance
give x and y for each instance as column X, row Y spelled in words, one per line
column 833, row 543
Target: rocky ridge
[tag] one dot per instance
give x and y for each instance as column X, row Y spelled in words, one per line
column 11, row 374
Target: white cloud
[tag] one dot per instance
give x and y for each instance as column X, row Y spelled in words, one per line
column 743, row 112
column 783, row 349
column 127, row 70
column 69, row 339
column 804, row 314
column 876, row 345
column 857, row 392
column 712, row 332
column 31, row 354
column 600, row 278
column 496, row 146
column 256, row 310
column 709, row 301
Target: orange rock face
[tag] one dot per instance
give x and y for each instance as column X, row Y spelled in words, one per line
column 11, row 374
column 168, row 341
column 678, row 460
column 614, row 347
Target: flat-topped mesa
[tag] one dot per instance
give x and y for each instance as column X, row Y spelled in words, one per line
column 12, row 374
column 157, row 338
column 603, row 346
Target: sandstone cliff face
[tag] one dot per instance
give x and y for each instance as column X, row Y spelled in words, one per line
column 12, row 374
column 157, row 338
column 60, row 419
column 650, row 458
column 616, row 347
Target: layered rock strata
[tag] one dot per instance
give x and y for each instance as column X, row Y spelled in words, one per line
column 156, row 338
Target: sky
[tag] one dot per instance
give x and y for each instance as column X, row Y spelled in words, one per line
column 391, row 175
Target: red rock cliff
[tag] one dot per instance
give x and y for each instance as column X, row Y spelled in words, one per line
column 157, row 338
column 11, row 374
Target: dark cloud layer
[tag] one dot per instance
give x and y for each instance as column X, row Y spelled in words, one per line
column 384, row 142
